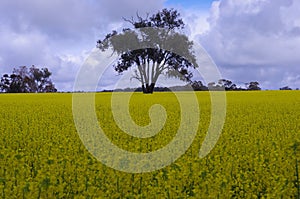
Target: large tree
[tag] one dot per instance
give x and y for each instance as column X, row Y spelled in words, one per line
column 27, row 80
column 160, row 34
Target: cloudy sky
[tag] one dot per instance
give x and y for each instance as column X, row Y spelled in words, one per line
column 249, row 40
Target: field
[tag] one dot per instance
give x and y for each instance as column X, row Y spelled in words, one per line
column 257, row 155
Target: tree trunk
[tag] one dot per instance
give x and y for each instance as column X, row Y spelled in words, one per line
column 152, row 86
column 148, row 89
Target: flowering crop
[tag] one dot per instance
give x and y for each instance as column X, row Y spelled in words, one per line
column 257, row 155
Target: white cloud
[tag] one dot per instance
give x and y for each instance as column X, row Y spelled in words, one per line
column 258, row 39
column 58, row 34
column 196, row 22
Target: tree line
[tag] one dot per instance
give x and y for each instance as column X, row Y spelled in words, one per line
column 27, row 80
column 35, row 80
column 222, row 84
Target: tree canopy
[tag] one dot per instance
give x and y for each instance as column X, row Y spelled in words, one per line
column 27, row 80
column 157, row 38
column 253, row 86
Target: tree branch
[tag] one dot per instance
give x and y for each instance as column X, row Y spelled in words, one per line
column 137, row 77
column 129, row 21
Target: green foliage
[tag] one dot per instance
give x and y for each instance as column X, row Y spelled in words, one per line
column 254, row 86
column 27, row 80
column 153, row 47
column 257, row 156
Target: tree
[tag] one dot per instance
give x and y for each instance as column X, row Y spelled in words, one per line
column 199, row 86
column 11, row 83
column 227, row 84
column 157, row 33
column 27, row 80
column 285, row 88
column 253, row 86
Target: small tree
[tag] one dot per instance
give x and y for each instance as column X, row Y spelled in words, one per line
column 199, row 86
column 27, row 80
column 153, row 60
column 285, row 88
column 227, row 84
column 253, row 86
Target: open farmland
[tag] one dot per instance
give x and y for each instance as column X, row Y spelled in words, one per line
column 257, row 155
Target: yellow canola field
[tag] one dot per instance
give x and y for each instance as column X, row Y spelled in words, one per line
column 257, row 155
